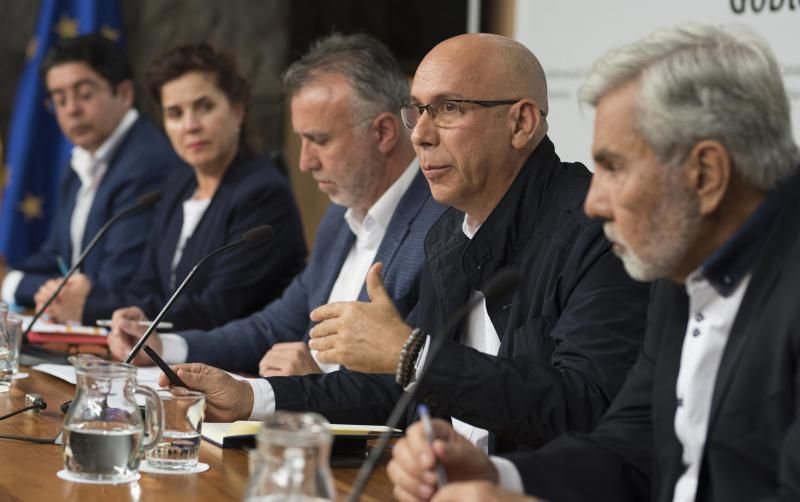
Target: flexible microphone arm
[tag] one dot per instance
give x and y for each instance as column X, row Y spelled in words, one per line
column 255, row 236
column 505, row 280
column 145, row 202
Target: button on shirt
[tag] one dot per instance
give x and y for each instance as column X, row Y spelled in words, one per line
column 711, row 317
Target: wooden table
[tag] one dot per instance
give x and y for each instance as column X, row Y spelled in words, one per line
column 28, row 471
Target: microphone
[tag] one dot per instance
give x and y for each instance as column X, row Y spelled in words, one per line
column 145, row 202
column 505, row 280
column 253, row 237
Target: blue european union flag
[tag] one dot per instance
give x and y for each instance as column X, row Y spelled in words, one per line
column 37, row 151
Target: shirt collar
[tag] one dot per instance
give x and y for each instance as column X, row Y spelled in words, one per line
column 87, row 165
column 729, row 264
column 470, row 226
column 380, row 214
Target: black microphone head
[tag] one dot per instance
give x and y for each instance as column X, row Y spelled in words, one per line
column 258, row 235
column 504, row 280
column 148, row 200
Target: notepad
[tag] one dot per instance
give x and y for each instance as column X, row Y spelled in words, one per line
column 51, row 328
column 242, row 434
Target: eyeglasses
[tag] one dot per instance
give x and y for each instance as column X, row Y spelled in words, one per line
column 444, row 112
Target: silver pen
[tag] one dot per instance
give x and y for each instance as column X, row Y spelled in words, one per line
column 106, row 323
column 425, row 417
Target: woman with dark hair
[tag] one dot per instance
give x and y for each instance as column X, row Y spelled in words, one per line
column 226, row 192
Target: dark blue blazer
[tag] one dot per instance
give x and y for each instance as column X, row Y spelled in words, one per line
column 233, row 284
column 239, row 345
column 141, row 161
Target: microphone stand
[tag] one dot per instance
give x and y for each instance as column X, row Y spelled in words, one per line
column 255, row 236
column 144, row 202
column 505, row 280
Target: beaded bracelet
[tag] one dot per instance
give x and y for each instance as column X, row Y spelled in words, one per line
column 408, row 357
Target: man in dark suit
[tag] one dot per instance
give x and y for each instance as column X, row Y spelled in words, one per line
column 118, row 157
column 345, row 99
column 697, row 181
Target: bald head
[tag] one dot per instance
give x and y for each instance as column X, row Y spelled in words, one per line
column 472, row 149
column 497, row 65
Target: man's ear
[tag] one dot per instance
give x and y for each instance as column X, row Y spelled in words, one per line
column 125, row 91
column 386, row 130
column 709, row 170
column 526, row 121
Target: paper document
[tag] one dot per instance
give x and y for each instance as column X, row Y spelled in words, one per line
column 144, row 376
column 62, row 329
column 217, row 432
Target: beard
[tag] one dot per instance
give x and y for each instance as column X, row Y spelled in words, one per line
column 668, row 232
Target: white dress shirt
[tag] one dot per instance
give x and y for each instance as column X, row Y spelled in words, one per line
column 479, row 334
column 193, row 211
column 711, row 317
column 369, row 230
column 90, row 169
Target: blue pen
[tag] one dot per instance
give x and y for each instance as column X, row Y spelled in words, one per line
column 425, row 417
column 62, row 266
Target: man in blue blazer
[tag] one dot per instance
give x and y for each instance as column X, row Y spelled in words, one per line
column 345, row 95
column 118, row 157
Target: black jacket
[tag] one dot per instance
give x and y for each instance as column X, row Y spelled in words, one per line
column 569, row 333
column 752, row 449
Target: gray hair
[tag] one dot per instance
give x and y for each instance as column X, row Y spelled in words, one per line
column 373, row 72
column 706, row 82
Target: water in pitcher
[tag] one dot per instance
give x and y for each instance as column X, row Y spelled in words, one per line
column 101, row 450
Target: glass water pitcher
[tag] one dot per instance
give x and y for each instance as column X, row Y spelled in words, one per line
column 292, row 460
column 105, row 435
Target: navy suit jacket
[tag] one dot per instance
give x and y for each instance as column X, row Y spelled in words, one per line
column 239, row 345
column 233, row 284
column 138, row 166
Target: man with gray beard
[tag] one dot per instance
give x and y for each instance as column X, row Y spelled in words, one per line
column 696, row 179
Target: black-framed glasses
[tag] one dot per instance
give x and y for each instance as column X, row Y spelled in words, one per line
column 445, row 112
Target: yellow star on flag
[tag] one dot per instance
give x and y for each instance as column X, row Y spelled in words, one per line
column 109, row 32
column 67, row 27
column 31, row 207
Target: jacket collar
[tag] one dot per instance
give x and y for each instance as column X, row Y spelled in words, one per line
column 509, row 226
column 729, row 264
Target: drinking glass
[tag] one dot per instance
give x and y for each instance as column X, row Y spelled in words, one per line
column 179, row 448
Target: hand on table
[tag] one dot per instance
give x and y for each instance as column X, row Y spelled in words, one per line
column 414, row 460
column 227, row 399
column 126, row 331
column 363, row 336
column 68, row 305
column 288, row 359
